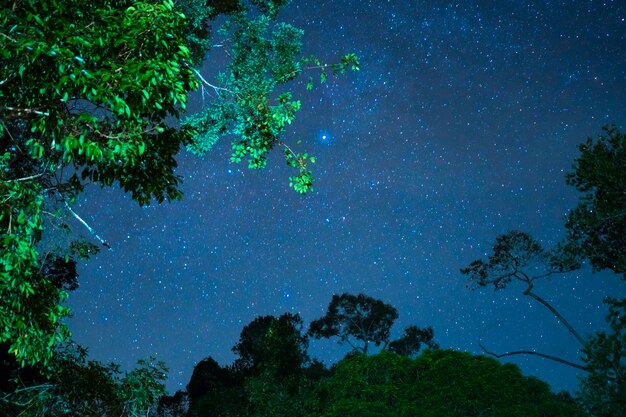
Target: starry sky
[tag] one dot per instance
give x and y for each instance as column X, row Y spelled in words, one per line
column 460, row 126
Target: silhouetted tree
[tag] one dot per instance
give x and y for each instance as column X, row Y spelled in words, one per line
column 603, row 389
column 214, row 390
column 269, row 340
column 79, row 387
column 412, row 340
column 518, row 257
column 360, row 318
column 597, row 226
column 176, row 405
column 357, row 317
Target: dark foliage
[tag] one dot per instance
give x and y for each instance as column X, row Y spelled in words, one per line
column 597, row 225
column 357, row 317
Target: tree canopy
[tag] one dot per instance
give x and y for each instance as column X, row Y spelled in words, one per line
column 362, row 319
column 95, row 92
column 435, row 383
column 596, row 231
column 356, row 317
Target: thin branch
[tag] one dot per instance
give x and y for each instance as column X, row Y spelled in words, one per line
column 300, row 161
column 8, row 37
column 31, row 177
column 556, row 314
column 19, row 111
column 93, row 232
column 530, row 352
column 214, row 87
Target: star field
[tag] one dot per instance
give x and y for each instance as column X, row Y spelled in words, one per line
column 460, row 125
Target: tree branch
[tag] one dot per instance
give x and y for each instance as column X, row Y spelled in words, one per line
column 530, row 352
column 93, row 232
column 556, row 314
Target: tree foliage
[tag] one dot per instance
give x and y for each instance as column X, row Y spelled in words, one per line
column 362, row 319
column 270, row 341
column 603, row 389
column 270, row 377
column 86, row 88
column 90, row 93
column 356, row 318
column 596, row 232
column 79, row 387
column 597, row 225
column 436, row 383
column 412, row 341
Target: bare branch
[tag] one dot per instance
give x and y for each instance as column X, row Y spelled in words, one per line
column 556, row 314
column 93, row 232
column 530, row 352
column 214, row 87
column 30, row 177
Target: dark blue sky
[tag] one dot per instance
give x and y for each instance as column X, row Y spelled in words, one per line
column 460, row 126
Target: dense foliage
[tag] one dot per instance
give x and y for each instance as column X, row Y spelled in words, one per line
column 95, row 92
column 78, row 387
column 597, row 225
column 433, row 383
column 436, row 383
column 596, row 232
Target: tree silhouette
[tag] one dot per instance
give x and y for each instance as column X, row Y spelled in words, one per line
column 518, row 257
column 356, row 318
column 412, row 340
column 597, row 225
column 272, row 341
column 359, row 320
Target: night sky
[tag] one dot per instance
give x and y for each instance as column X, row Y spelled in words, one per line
column 460, row 126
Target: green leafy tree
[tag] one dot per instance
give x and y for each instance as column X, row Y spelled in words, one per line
column 88, row 93
column 362, row 319
column 86, row 88
column 436, row 383
column 79, row 387
column 597, row 226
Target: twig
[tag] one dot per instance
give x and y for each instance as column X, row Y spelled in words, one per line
column 214, row 87
column 20, row 110
column 93, row 232
column 30, row 177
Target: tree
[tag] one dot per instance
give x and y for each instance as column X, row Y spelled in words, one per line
column 435, row 383
column 517, row 256
column 268, row 378
column 411, row 341
column 214, row 390
column 603, row 390
column 88, row 89
column 278, row 382
column 357, row 317
column 367, row 320
column 272, row 342
column 597, row 225
column 78, row 387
